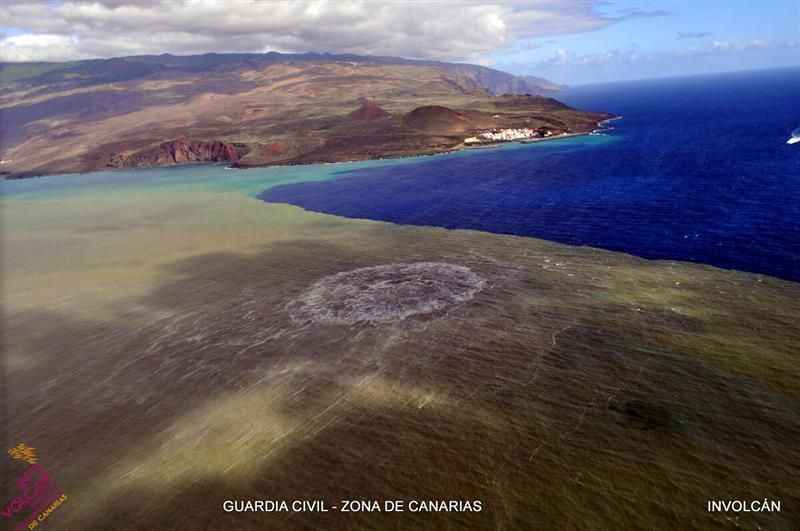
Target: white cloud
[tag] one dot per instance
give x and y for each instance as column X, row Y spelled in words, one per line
column 33, row 47
column 453, row 30
column 693, row 34
column 633, row 55
column 738, row 44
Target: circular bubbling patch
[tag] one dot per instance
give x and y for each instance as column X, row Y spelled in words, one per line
column 386, row 293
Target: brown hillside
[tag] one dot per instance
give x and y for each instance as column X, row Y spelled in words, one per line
column 442, row 120
column 253, row 115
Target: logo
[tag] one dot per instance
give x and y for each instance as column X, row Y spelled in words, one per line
column 37, row 494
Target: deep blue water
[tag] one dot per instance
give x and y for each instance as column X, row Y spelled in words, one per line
column 697, row 169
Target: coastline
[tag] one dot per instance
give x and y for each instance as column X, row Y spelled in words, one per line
column 455, row 149
column 238, row 166
column 600, row 127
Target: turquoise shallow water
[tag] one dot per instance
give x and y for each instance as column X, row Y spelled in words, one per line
column 250, row 181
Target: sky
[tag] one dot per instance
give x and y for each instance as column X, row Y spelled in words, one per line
column 567, row 41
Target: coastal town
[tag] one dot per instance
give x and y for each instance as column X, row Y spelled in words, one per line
column 506, row 135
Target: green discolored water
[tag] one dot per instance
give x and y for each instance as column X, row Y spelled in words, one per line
column 171, row 342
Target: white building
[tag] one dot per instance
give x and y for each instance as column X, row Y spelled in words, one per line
column 509, row 134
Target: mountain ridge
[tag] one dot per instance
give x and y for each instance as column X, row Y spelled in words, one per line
column 493, row 80
column 255, row 110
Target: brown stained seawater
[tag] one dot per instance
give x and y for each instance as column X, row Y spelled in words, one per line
column 215, row 348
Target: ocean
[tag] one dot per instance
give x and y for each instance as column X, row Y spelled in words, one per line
column 697, row 169
column 172, row 343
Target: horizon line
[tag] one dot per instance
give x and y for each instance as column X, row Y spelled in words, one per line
column 568, row 85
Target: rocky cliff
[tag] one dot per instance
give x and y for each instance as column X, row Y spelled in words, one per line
column 180, row 151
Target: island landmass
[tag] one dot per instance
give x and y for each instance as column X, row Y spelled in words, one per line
column 252, row 110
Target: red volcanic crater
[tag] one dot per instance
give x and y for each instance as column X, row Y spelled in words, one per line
column 368, row 111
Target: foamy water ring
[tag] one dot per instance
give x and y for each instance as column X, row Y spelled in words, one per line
column 387, row 293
